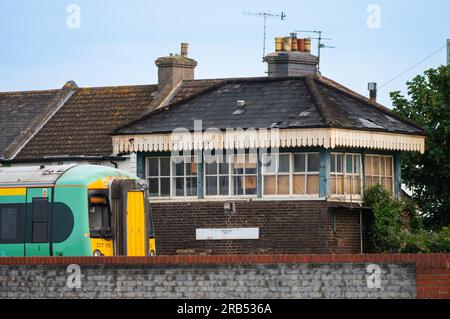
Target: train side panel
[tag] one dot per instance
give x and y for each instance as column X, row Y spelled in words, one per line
column 12, row 219
column 78, row 242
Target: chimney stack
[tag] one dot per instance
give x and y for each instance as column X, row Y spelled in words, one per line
column 372, row 87
column 292, row 57
column 173, row 69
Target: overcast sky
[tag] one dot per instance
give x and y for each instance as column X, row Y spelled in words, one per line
column 116, row 41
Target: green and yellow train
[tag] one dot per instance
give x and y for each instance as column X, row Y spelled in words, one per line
column 74, row 210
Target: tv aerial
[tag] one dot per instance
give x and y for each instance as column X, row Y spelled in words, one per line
column 266, row 15
column 320, row 45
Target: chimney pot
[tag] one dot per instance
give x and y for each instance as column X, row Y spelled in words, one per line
column 184, row 49
column 372, row 87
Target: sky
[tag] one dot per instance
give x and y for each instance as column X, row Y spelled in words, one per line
column 46, row 43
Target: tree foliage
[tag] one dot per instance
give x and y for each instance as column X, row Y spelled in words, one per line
column 389, row 232
column 428, row 175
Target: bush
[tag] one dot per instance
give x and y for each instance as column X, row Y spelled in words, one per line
column 388, row 232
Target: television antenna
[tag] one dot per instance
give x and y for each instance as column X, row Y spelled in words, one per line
column 266, row 15
column 320, row 45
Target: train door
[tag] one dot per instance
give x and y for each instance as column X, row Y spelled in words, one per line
column 136, row 237
column 131, row 217
column 37, row 222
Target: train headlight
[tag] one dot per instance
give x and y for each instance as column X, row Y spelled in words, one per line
column 97, row 253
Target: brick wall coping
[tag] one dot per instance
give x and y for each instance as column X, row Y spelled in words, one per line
column 421, row 260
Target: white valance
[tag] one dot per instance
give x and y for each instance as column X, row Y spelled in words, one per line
column 215, row 139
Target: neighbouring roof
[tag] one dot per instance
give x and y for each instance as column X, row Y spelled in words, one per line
column 293, row 102
column 17, row 112
column 82, row 127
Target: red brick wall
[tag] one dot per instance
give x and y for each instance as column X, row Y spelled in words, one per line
column 286, row 227
column 433, row 277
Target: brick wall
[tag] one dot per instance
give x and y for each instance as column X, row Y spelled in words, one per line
column 228, row 276
column 286, row 227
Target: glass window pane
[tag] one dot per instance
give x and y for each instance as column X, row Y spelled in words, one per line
column 269, row 164
column 211, row 185
column 339, row 184
column 164, row 163
column 299, row 162
column 368, row 165
column 223, row 168
column 152, row 166
column 191, row 169
column 210, row 169
column 250, row 185
column 9, row 223
column 369, row 182
column 250, row 166
column 179, row 169
column 191, row 186
column 165, row 186
column 333, row 184
column 382, row 166
column 333, row 163
column 153, row 187
column 313, row 162
column 357, row 164
column 349, row 163
column 269, row 185
column 389, row 166
column 238, row 168
column 348, row 185
column 339, row 163
column 223, row 185
column 312, row 184
column 376, row 165
column 388, row 185
column 357, row 185
column 283, row 184
column 179, row 186
column 238, row 185
column 283, row 163
column 299, row 184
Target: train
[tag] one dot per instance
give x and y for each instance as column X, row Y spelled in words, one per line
column 74, row 210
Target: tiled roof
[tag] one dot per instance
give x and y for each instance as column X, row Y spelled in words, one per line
column 82, row 127
column 294, row 102
column 17, row 111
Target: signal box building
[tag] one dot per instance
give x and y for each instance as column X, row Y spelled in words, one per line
column 277, row 164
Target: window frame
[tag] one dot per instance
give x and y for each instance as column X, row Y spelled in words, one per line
column 171, row 176
column 159, row 177
column 291, row 175
column 380, row 177
column 345, row 174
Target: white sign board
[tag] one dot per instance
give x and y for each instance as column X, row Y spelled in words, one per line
column 226, row 233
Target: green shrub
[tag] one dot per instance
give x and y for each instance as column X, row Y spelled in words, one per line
column 388, row 232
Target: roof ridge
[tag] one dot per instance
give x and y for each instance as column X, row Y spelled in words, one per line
column 117, row 86
column 174, row 104
column 377, row 106
column 29, row 92
column 318, row 101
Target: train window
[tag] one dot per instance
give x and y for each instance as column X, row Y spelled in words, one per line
column 9, row 223
column 62, row 222
column 99, row 216
column 40, row 220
